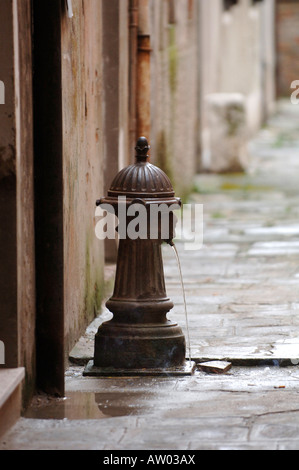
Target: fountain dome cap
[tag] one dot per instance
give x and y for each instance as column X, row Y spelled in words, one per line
column 142, row 179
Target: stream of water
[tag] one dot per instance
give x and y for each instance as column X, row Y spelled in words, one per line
column 184, row 297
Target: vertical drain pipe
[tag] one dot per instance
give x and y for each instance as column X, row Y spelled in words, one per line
column 133, row 19
column 143, row 126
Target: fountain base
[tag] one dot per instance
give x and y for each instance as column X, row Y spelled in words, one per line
column 186, row 369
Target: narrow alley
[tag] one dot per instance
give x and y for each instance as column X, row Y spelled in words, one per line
column 242, row 302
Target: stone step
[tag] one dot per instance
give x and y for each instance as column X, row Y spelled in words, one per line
column 10, row 397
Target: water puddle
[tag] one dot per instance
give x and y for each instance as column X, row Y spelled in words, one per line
column 79, row 405
column 91, row 405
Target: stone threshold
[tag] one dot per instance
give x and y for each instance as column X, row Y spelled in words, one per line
column 10, row 397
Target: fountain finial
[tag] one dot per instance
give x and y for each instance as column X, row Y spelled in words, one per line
column 142, row 148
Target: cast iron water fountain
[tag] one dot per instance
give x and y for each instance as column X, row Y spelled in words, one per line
column 140, row 339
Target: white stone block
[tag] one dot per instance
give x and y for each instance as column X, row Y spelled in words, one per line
column 226, row 133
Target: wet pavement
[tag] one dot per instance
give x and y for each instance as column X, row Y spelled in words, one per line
column 243, row 304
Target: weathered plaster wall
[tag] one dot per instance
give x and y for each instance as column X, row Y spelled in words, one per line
column 115, row 49
column 8, row 197
column 17, row 266
column 238, row 56
column 174, row 67
column 25, row 195
column 83, row 164
column 240, row 65
column 287, row 19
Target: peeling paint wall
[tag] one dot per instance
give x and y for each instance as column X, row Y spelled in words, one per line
column 83, row 164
